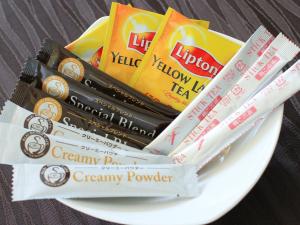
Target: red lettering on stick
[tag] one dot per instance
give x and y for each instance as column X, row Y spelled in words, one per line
column 242, row 118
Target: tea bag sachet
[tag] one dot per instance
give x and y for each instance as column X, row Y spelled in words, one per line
column 130, row 32
column 182, row 59
column 89, row 46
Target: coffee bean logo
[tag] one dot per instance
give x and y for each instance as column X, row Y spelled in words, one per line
column 56, row 86
column 34, row 145
column 54, row 175
column 72, row 68
column 48, row 108
column 38, row 124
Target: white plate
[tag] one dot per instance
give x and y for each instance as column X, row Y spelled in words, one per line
column 224, row 185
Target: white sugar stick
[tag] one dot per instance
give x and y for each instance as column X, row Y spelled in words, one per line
column 210, row 145
column 212, row 94
column 20, row 145
column 266, row 67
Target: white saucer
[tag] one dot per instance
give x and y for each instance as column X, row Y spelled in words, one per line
column 224, row 185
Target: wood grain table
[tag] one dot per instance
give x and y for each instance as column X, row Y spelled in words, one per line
column 275, row 200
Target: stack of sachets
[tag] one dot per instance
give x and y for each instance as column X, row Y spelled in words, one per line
column 132, row 111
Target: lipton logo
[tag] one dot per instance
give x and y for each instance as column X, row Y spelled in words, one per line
column 140, row 41
column 54, row 175
column 34, row 144
column 38, row 124
column 196, row 60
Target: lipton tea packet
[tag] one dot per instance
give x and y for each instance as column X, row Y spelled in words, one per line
column 16, row 115
column 182, row 59
column 265, row 68
column 206, row 147
column 130, row 32
column 89, row 45
column 197, row 110
column 80, row 181
column 68, row 117
column 35, row 147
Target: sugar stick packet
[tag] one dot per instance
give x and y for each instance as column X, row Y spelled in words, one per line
column 57, row 58
column 39, row 148
column 206, row 148
column 206, row 100
column 70, row 181
column 99, row 104
column 44, row 105
column 89, row 45
column 16, row 115
column 182, row 59
column 265, row 68
column 129, row 34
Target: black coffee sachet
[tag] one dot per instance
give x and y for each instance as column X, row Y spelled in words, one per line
column 89, row 100
column 58, row 58
column 41, row 103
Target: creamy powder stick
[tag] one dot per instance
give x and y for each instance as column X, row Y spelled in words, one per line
column 21, row 146
column 173, row 135
column 70, row 181
column 14, row 114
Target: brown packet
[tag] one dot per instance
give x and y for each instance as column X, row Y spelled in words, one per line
column 82, row 97
column 55, row 109
column 62, row 60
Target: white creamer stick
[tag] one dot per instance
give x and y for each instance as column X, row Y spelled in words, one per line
column 20, row 145
column 70, row 181
column 14, row 114
column 210, row 145
column 212, row 94
column 266, row 67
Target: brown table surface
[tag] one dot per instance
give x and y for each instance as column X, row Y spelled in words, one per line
column 274, row 200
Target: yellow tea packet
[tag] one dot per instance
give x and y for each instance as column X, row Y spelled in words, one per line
column 130, row 32
column 89, row 46
column 181, row 61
